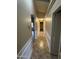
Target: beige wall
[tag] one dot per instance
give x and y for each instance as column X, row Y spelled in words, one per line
column 49, row 17
column 24, row 10
column 49, row 25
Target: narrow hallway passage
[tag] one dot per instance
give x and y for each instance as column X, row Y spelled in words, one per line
column 40, row 48
column 38, row 29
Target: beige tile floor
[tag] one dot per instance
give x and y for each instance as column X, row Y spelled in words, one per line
column 40, row 48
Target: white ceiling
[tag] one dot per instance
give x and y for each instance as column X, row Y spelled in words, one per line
column 41, row 7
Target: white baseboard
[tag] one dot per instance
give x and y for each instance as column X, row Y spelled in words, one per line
column 26, row 51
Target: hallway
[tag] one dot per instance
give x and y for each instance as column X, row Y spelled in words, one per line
column 38, row 29
column 40, row 48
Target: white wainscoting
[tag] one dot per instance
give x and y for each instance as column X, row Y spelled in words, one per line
column 26, row 51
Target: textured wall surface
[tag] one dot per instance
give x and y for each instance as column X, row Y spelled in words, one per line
column 48, row 25
column 24, row 10
column 53, row 28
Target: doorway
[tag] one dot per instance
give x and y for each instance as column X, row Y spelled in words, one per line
column 56, row 34
column 41, row 26
column 33, row 26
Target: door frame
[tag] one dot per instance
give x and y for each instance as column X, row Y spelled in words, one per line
column 58, row 10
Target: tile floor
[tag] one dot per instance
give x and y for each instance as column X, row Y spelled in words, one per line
column 40, row 48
